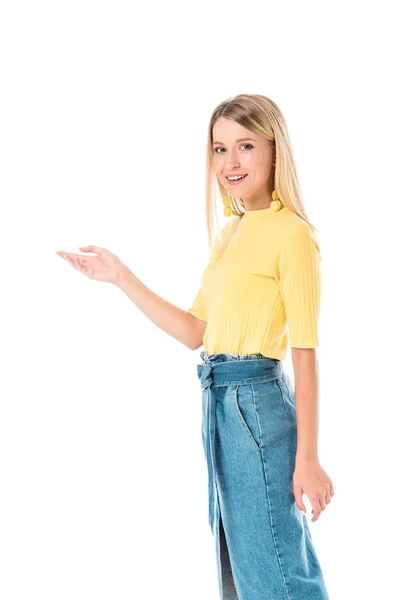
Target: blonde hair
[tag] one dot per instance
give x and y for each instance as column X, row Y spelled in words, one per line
column 262, row 116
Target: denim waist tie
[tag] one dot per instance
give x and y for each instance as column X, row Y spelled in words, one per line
column 224, row 370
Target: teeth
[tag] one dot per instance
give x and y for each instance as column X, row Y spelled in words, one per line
column 236, row 178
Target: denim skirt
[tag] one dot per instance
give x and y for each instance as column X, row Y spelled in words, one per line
column 263, row 543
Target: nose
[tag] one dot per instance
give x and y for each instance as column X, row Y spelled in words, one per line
column 231, row 160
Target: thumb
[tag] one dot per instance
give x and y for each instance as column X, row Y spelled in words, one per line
column 95, row 249
column 298, row 494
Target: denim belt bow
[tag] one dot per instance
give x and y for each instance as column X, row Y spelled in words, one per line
column 224, row 373
column 205, row 374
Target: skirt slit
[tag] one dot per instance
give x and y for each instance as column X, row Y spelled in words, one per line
column 228, row 584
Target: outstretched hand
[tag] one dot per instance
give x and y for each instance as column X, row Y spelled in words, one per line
column 106, row 266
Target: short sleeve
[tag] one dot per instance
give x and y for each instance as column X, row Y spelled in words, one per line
column 198, row 309
column 300, row 286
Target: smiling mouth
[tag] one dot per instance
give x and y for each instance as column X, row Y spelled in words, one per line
column 240, row 178
column 234, row 182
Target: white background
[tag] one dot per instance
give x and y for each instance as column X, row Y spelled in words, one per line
column 104, row 115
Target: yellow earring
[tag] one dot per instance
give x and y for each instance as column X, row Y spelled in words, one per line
column 276, row 204
column 227, row 203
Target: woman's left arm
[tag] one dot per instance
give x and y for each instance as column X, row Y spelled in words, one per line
column 309, row 477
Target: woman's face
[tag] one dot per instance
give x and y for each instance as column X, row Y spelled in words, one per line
column 238, row 151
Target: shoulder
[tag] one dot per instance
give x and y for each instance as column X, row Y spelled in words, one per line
column 292, row 223
column 297, row 233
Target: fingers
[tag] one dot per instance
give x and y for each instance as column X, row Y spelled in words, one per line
column 319, row 503
column 318, row 487
column 68, row 255
column 316, row 509
column 73, row 260
column 322, row 500
column 298, row 494
column 78, row 262
column 328, row 497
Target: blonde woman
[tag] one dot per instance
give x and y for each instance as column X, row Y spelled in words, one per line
column 259, row 291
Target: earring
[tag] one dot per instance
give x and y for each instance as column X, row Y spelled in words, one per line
column 227, row 203
column 276, row 204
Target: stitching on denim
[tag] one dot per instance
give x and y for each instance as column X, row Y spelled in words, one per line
column 244, row 360
column 252, row 380
column 244, row 422
column 265, row 472
column 288, row 392
column 256, row 413
column 279, row 384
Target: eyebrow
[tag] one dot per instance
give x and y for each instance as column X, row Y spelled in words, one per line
column 239, row 140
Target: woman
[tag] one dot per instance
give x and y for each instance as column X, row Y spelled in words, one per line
column 261, row 286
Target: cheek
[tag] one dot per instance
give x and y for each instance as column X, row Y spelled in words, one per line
column 251, row 162
column 218, row 165
column 217, row 159
column 260, row 168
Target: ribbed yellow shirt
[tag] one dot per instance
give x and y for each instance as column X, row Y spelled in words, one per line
column 261, row 288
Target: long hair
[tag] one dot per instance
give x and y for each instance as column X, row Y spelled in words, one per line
column 262, row 116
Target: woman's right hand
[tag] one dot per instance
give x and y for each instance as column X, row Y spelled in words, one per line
column 104, row 267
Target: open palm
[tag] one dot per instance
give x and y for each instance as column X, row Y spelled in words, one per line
column 106, row 266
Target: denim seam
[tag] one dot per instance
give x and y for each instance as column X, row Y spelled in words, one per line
column 244, row 422
column 265, row 472
column 288, row 392
column 279, row 384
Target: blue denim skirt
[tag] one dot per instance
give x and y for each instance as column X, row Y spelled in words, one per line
column 263, row 543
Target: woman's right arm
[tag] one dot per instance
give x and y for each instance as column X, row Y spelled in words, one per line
column 175, row 321
column 107, row 267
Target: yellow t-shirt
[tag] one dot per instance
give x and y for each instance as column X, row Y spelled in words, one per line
column 261, row 286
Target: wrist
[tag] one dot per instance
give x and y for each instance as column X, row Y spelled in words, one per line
column 125, row 277
column 303, row 459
